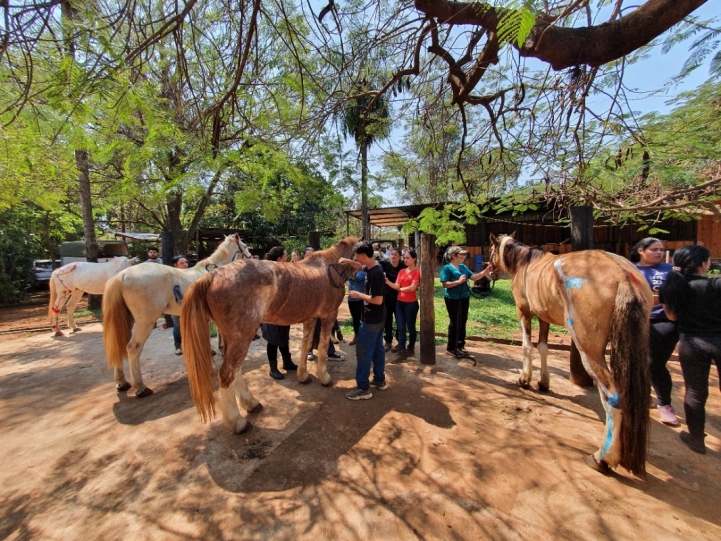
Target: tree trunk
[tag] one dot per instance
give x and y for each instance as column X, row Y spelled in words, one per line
column 581, row 239
column 428, row 318
column 365, row 222
column 86, row 204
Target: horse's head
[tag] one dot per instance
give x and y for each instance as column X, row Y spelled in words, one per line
column 498, row 243
column 242, row 248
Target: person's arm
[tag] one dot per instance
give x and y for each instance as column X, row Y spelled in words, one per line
column 669, row 314
column 350, row 262
column 485, row 272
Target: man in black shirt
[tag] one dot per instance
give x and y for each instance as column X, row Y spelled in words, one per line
column 369, row 341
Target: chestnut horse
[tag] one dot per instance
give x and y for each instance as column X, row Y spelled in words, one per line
column 600, row 298
column 238, row 298
column 141, row 294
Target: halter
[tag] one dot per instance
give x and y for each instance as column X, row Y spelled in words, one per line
column 337, row 274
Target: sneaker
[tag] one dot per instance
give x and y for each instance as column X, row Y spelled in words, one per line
column 402, row 356
column 395, row 349
column 359, row 394
column 388, row 346
column 382, row 386
column 311, row 357
column 276, row 374
column 411, row 351
column 668, row 415
column 352, row 342
column 335, row 357
column 695, row 446
column 178, row 351
column 339, row 335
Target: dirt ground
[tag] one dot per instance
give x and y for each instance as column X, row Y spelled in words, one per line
column 450, row 451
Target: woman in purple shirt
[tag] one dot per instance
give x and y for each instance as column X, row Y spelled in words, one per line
column 648, row 257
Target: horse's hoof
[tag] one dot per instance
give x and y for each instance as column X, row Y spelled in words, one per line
column 329, row 384
column 601, row 466
column 145, row 392
column 77, row 329
column 124, row 387
column 256, row 409
column 248, row 425
column 59, row 333
column 543, row 388
column 305, row 381
column 522, row 384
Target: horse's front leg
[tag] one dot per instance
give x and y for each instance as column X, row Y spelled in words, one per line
column 141, row 332
column 527, row 372
column 545, row 383
column 302, row 372
column 72, row 303
column 323, row 375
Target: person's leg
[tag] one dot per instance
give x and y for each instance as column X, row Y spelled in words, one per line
column 401, row 322
column 379, row 360
column 462, row 320
column 364, row 355
column 288, row 363
column 695, row 362
column 452, row 306
column 411, row 318
column 272, row 351
column 663, row 340
column 176, row 332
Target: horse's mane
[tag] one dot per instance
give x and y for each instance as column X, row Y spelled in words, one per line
column 515, row 254
column 342, row 248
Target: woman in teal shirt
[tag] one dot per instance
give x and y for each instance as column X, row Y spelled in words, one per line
column 454, row 278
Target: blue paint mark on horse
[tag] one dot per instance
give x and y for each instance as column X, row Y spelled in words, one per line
column 574, row 282
column 569, row 322
column 614, row 400
column 178, row 295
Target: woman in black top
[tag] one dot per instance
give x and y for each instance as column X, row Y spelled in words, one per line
column 694, row 302
column 391, row 268
column 278, row 336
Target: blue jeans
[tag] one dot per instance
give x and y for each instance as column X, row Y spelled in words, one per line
column 370, row 352
column 176, row 330
column 406, row 314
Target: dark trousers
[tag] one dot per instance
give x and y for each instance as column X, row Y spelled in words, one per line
column 696, row 355
column 272, row 351
column 457, row 317
column 406, row 314
column 356, row 312
column 316, row 338
column 664, row 338
column 390, row 302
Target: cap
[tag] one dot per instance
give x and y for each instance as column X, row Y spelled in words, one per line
column 453, row 250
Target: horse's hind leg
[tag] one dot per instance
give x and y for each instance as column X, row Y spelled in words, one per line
column 72, row 303
column 527, row 372
column 545, row 381
column 246, row 398
column 302, row 372
column 121, row 384
column 141, row 332
column 323, row 375
column 232, row 382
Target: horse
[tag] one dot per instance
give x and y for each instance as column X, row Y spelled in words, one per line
column 238, row 298
column 141, row 294
column 69, row 282
column 600, row 298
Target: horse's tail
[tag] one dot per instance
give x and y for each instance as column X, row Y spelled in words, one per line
column 53, row 299
column 194, row 317
column 629, row 366
column 117, row 322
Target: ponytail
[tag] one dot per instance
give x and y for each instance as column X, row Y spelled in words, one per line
column 686, row 262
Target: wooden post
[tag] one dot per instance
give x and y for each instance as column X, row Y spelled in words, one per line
column 581, row 239
column 314, row 239
column 428, row 319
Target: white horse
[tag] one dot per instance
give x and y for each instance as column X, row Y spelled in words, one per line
column 141, row 294
column 69, row 282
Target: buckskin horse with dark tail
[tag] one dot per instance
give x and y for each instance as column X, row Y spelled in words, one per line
column 238, row 297
column 602, row 300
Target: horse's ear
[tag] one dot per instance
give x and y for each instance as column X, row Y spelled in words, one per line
column 493, row 239
column 513, row 235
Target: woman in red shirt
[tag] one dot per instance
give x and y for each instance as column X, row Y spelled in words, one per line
column 406, row 284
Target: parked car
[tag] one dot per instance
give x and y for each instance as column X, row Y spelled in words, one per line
column 42, row 269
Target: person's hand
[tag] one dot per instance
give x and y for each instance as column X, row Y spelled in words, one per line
column 462, row 279
column 343, row 261
column 354, row 294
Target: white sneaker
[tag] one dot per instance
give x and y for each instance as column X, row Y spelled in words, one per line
column 668, row 415
column 178, row 351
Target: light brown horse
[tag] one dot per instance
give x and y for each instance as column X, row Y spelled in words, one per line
column 600, row 298
column 238, row 297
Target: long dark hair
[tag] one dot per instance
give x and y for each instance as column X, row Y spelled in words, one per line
column 642, row 245
column 686, row 262
column 274, row 253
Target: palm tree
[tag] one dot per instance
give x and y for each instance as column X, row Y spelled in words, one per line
column 367, row 118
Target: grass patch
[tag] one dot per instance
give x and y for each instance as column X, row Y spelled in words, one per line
column 85, row 313
column 492, row 317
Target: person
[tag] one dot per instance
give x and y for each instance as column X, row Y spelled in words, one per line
column 294, row 257
column 277, row 336
column 406, row 285
column 389, row 248
column 454, row 277
column 308, row 250
column 694, row 302
column 391, row 268
column 369, row 342
column 647, row 254
column 153, row 255
column 356, row 282
column 179, row 262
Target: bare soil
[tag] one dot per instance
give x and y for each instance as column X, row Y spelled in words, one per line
column 450, row 451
